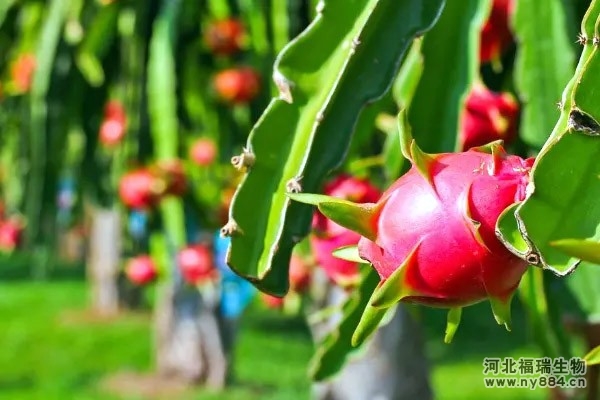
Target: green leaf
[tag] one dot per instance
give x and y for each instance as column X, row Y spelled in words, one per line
column 544, row 64
column 586, row 250
column 451, row 59
column 345, row 59
column 336, row 346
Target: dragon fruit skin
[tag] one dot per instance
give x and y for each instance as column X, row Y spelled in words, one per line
column 441, row 231
column 330, row 236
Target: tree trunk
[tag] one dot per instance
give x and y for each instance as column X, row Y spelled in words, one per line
column 392, row 366
column 189, row 344
column 104, row 259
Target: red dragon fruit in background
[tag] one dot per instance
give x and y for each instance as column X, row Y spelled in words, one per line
column 488, row 116
column 10, row 234
column 237, row 85
column 138, row 189
column 172, row 174
column 300, row 275
column 329, row 236
column 141, row 270
column 203, row 152
column 112, row 128
column 496, row 36
column 270, row 301
column 196, row 264
column 225, row 37
column 22, row 72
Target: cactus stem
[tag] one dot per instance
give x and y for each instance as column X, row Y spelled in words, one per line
column 293, row 185
column 284, row 86
column 230, row 228
column 454, row 315
column 320, row 7
column 244, row 160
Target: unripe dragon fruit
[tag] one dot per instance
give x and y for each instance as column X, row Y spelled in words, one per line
column 488, row 116
column 329, row 235
column 432, row 235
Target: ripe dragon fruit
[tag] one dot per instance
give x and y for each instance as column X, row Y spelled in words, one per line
column 237, row 85
column 225, row 37
column 141, row 270
column 329, row 236
column 138, row 189
column 496, row 36
column 203, row 152
column 431, row 237
column 196, row 264
column 488, row 116
column 300, row 275
column 112, row 128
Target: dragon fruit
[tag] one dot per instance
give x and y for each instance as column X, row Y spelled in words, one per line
column 141, row 270
column 496, row 36
column 488, row 116
column 432, row 235
column 329, row 235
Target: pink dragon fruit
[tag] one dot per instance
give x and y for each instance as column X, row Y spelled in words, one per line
column 432, row 235
column 488, row 116
column 329, row 236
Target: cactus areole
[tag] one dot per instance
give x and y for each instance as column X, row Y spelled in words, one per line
column 432, row 235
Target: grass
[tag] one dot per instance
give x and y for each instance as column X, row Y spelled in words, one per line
column 51, row 351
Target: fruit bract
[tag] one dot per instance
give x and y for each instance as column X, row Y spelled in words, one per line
column 496, row 36
column 329, row 236
column 137, row 189
column 488, row 116
column 203, row 152
column 237, row 85
column 196, row 264
column 225, row 37
column 141, row 270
